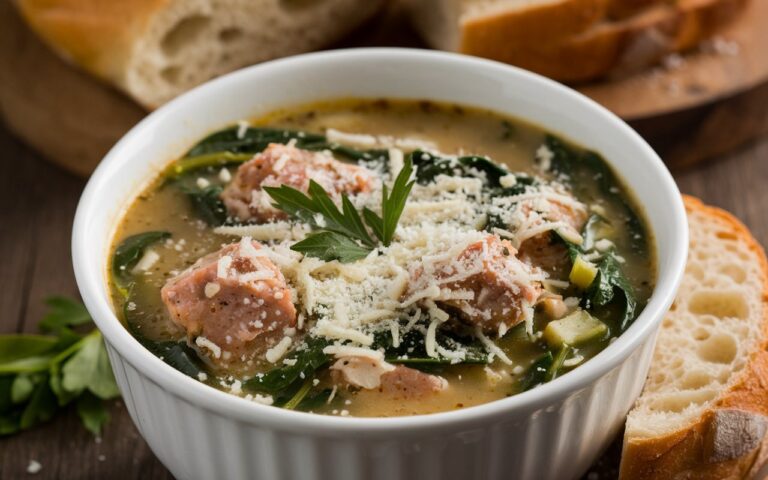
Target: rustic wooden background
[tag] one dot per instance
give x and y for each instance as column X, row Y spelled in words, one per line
column 37, row 204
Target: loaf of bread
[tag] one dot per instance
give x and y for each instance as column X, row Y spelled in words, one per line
column 704, row 411
column 571, row 40
column 157, row 49
column 67, row 115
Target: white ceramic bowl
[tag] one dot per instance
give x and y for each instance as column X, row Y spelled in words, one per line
column 551, row 432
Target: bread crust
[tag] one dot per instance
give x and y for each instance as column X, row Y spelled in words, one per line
column 576, row 40
column 94, row 34
column 728, row 441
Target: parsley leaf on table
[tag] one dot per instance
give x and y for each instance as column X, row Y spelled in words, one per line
column 41, row 374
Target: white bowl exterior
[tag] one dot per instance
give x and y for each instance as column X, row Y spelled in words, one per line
column 554, row 431
column 555, row 440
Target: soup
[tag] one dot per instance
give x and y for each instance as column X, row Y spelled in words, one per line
column 381, row 258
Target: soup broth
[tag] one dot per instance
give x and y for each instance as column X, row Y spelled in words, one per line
column 556, row 282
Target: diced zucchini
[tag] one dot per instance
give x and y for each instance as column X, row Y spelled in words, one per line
column 583, row 273
column 576, row 328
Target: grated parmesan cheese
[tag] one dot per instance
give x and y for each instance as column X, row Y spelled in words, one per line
column 146, row 262
column 278, row 351
column 203, row 342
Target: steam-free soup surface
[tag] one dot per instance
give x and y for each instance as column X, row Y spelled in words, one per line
column 594, row 284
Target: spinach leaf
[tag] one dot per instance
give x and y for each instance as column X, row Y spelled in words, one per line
column 181, row 167
column 128, row 254
column 610, row 280
column 178, row 355
column 314, row 400
column 412, row 350
column 207, row 204
column 373, row 156
column 252, row 140
column 428, row 166
column 309, row 358
column 298, row 397
column 494, row 221
column 226, row 147
column 557, row 363
column 566, row 160
column 536, row 373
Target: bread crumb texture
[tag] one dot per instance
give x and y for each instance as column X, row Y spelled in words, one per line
column 703, row 412
column 713, row 325
column 191, row 41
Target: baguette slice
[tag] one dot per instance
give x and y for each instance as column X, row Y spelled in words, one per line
column 571, row 40
column 157, row 49
column 704, row 411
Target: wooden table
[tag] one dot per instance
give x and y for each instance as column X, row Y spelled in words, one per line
column 37, row 204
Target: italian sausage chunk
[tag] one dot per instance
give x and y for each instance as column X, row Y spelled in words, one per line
column 543, row 250
column 232, row 302
column 286, row 165
column 395, row 381
column 486, row 284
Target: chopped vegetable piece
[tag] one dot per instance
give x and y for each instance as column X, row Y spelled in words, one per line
column 574, row 329
column 583, row 273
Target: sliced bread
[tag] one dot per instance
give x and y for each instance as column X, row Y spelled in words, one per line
column 704, row 411
column 156, row 49
column 571, row 40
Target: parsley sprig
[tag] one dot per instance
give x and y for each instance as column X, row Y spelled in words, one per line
column 342, row 234
column 41, row 374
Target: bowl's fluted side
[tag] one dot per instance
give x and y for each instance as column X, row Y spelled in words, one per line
column 557, row 441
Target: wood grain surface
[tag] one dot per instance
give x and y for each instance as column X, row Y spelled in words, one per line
column 38, row 203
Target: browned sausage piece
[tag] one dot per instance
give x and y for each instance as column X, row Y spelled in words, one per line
column 233, row 302
column 287, row 165
column 487, row 284
column 409, row 383
column 546, row 252
column 396, row 381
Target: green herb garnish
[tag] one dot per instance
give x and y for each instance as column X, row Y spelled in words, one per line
column 328, row 246
column 40, row 374
column 342, row 233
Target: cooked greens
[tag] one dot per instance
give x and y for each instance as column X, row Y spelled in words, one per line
column 235, row 145
column 391, row 277
column 128, row 254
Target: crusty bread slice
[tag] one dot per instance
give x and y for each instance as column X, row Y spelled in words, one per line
column 704, row 411
column 156, row 49
column 571, row 40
